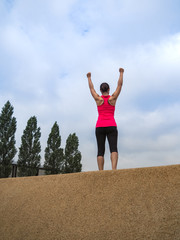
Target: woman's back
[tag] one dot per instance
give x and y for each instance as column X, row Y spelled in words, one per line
column 106, row 114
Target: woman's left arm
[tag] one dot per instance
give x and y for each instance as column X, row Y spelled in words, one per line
column 96, row 97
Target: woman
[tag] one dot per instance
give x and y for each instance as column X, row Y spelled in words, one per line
column 106, row 125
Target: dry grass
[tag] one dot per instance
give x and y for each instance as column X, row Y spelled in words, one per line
column 127, row 204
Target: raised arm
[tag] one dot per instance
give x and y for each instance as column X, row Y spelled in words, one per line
column 113, row 98
column 96, row 97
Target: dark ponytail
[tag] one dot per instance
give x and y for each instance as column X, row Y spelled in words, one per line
column 104, row 87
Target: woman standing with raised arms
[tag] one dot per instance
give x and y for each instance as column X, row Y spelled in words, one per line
column 106, row 125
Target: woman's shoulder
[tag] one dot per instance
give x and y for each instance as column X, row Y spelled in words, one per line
column 99, row 101
column 112, row 100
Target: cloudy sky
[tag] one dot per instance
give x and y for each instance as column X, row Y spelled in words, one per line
column 48, row 46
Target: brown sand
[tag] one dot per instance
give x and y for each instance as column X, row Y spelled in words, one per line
column 127, row 204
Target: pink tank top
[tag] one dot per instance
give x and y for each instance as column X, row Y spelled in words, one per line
column 106, row 114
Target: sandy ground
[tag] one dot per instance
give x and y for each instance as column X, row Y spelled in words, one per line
column 127, row 204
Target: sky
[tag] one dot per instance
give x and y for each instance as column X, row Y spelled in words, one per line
column 48, row 46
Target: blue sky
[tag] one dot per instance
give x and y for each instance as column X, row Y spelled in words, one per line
column 47, row 47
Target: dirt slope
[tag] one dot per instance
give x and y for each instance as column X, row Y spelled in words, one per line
column 127, row 204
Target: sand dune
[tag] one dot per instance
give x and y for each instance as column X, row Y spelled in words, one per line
column 127, row 204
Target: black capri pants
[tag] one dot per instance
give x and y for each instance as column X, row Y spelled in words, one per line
column 112, row 134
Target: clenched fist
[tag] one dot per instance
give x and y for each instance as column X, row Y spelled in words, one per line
column 88, row 74
column 121, row 70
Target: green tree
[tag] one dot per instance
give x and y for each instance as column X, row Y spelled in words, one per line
column 72, row 155
column 7, row 139
column 29, row 151
column 53, row 153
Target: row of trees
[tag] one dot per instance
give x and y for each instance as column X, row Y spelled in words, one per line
column 57, row 159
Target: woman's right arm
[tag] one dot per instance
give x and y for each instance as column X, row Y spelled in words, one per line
column 115, row 95
column 96, row 97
